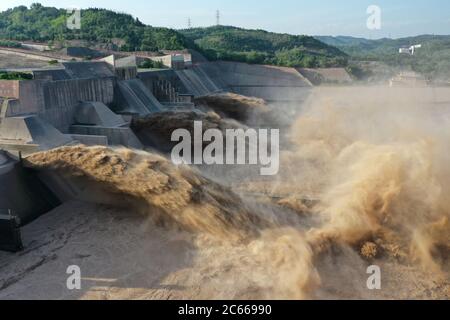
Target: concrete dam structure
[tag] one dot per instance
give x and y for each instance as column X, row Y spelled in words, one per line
column 133, row 97
column 92, row 103
column 94, row 120
column 167, row 87
column 326, row 75
column 30, row 133
column 56, row 101
column 44, row 113
column 198, row 82
column 273, row 84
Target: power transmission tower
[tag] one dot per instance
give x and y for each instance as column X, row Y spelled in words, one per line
column 189, row 23
column 218, row 17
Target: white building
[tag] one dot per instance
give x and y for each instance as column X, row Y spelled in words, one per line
column 409, row 50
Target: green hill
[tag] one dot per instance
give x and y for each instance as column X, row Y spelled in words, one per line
column 432, row 60
column 259, row 46
column 44, row 24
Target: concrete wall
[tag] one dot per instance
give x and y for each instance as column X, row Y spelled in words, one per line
column 165, row 85
column 55, row 101
column 31, row 129
column 116, row 136
column 325, row 75
column 242, row 74
column 31, row 98
column 126, row 73
column 69, row 92
column 133, row 97
column 81, row 52
column 51, row 74
column 271, row 83
column 277, row 84
column 198, row 82
column 90, row 140
column 97, row 114
column 89, row 70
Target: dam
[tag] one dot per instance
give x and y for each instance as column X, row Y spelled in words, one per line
column 140, row 227
column 94, row 103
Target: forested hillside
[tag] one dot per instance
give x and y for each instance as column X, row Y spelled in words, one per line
column 259, row 46
column 44, row 24
column 432, row 60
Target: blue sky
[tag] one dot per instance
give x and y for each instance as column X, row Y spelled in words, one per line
column 314, row 17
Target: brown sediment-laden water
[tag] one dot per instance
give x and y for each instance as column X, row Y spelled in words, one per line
column 364, row 181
